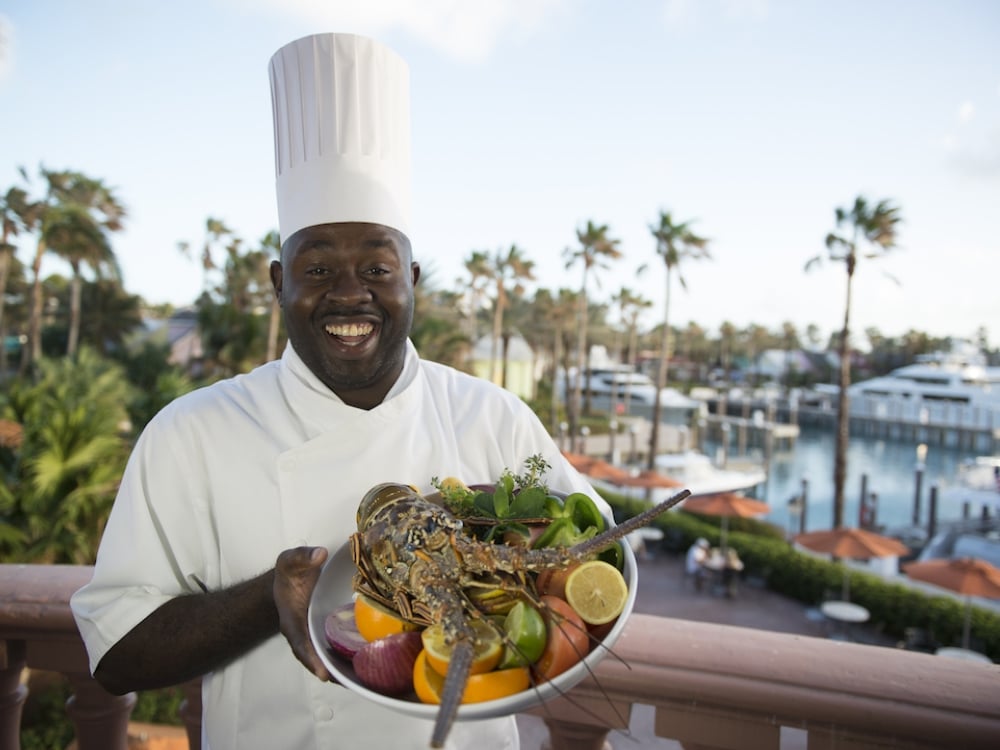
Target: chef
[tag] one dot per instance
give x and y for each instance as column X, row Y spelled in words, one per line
column 236, row 494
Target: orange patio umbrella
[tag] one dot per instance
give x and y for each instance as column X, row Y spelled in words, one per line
column 726, row 505
column 595, row 468
column 579, row 461
column 855, row 544
column 648, row 479
column 965, row 575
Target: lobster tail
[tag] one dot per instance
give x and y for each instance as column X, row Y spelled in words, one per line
column 454, row 687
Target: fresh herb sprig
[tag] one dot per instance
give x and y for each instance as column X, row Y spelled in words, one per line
column 516, row 500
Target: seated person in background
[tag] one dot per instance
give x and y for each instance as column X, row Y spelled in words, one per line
column 693, row 564
column 733, row 567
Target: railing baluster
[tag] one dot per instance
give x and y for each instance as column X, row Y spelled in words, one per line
column 12, row 693
column 190, row 712
column 100, row 718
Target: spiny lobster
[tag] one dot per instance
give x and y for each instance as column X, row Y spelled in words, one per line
column 412, row 556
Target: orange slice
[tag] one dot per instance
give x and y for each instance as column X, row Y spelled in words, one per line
column 375, row 621
column 488, row 686
column 487, row 650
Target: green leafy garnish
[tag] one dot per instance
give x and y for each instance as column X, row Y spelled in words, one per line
column 517, row 500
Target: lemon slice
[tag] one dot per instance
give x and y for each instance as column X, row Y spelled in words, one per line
column 487, row 647
column 597, row 592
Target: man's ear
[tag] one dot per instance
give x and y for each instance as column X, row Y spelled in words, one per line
column 276, row 278
column 415, row 272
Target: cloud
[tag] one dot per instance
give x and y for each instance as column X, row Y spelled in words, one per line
column 966, row 112
column 737, row 10
column 6, row 47
column 466, row 30
column 980, row 160
column 678, row 13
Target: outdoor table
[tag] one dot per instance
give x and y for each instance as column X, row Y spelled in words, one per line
column 847, row 613
column 724, row 573
column 953, row 652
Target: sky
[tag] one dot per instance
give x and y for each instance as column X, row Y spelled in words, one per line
column 752, row 119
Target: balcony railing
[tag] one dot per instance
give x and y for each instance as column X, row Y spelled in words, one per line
column 711, row 686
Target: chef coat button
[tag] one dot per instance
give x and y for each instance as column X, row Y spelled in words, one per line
column 287, row 464
column 323, row 713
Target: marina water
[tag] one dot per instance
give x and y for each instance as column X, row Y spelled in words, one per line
column 890, row 467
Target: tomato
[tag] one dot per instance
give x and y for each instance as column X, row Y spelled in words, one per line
column 567, row 638
column 552, row 581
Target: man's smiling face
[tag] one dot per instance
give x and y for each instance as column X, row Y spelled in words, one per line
column 346, row 290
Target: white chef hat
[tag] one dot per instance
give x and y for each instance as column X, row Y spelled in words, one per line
column 341, row 106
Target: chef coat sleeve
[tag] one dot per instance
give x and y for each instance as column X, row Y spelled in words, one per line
column 153, row 547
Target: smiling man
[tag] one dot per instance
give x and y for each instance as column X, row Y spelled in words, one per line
column 236, row 494
column 347, row 293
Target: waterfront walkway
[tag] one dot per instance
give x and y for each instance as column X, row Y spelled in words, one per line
column 664, row 591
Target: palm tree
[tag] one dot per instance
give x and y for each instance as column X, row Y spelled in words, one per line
column 675, row 243
column 504, row 272
column 478, row 266
column 552, row 316
column 630, row 306
column 74, row 217
column 17, row 213
column 877, row 226
column 727, row 342
column 112, row 315
column 756, row 339
column 439, row 314
column 790, row 343
column 595, row 250
column 270, row 246
column 215, row 232
column 75, row 237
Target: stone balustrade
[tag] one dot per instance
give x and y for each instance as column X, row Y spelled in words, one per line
column 711, row 686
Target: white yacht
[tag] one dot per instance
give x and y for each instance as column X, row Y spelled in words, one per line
column 698, row 473
column 621, row 384
column 937, row 389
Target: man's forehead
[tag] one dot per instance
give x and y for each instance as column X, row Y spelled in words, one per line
column 335, row 233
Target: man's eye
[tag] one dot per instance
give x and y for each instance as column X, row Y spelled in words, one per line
column 377, row 271
column 315, row 271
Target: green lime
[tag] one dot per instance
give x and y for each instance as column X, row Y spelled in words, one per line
column 526, row 633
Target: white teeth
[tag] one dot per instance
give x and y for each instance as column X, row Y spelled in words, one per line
column 351, row 329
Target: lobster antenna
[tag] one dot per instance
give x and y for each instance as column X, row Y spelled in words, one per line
column 603, row 540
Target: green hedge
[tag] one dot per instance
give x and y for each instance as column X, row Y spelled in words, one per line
column 767, row 556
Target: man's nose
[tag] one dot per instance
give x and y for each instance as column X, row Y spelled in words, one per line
column 348, row 288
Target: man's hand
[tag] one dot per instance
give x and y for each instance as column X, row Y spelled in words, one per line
column 295, row 576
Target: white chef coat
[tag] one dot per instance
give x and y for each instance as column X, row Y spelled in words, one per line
column 225, row 478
